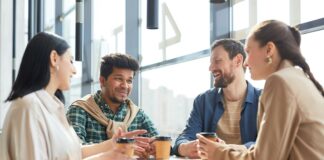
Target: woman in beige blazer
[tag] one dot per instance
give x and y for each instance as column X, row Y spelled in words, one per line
column 291, row 113
column 35, row 127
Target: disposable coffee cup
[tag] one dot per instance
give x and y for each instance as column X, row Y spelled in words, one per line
column 162, row 147
column 126, row 143
column 209, row 135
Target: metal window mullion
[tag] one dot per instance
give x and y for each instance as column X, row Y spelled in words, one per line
column 86, row 61
column 39, row 15
column 132, row 43
column 58, row 20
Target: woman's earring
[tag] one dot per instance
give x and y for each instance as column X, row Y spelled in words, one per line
column 268, row 60
column 57, row 68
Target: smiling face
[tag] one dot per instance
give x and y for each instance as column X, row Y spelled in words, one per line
column 256, row 59
column 65, row 70
column 118, row 85
column 222, row 68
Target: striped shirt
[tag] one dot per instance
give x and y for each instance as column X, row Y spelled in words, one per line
column 90, row 130
column 228, row 127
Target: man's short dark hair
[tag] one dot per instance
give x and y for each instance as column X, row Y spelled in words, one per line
column 117, row 60
column 232, row 47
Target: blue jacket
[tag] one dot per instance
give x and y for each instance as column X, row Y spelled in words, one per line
column 208, row 109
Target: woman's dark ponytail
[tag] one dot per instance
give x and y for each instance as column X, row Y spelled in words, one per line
column 288, row 41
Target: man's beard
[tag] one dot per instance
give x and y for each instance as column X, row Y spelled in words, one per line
column 224, row 81
column 115, row 100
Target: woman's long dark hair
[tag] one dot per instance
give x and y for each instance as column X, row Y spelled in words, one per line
column 34, row 71
column 287, row 40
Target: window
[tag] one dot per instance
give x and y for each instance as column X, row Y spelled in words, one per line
column 69, row 35
column 311, row 10
column 49, row 17
column 274, row 9
column 109, row 26
column 167, row 93
column 312, row 49
column 108, row 33
column 247, row 13
column 183, row 29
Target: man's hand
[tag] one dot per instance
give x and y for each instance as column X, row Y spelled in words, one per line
column 120, row 133
column 189, row 149
column 143, row 147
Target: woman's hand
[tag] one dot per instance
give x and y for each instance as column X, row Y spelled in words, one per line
column 206, row 147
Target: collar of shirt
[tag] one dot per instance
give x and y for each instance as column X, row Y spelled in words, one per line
column 249, row 95
column 121, row 112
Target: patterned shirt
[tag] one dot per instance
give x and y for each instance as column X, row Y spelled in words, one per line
column 90, row 130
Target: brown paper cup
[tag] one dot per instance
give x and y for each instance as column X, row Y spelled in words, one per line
column 162, row 147
column 209, row 135
column 126, row 143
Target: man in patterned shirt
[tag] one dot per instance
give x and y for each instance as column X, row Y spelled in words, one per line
column 96, row 117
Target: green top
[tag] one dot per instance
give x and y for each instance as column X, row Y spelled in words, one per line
column 90, row 130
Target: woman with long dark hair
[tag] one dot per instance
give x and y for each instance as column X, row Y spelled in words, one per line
column 291, row 108
column 35, row 126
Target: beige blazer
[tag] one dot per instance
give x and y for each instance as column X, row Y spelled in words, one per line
column 36, row 128
column 290, row 121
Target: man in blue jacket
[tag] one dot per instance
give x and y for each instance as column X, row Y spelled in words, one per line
column 229, row 109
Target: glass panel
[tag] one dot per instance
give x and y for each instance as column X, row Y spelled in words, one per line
column 240, row 14
column 311, row 10
column 67, row 5
column 69, row 36
column 181, row 31
column 49, row 17
column 109, row 26
column 312, row 47
column 108, row 33
column 247, row 13
column 167, row 93
column 241, row 19
column 274, row 9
